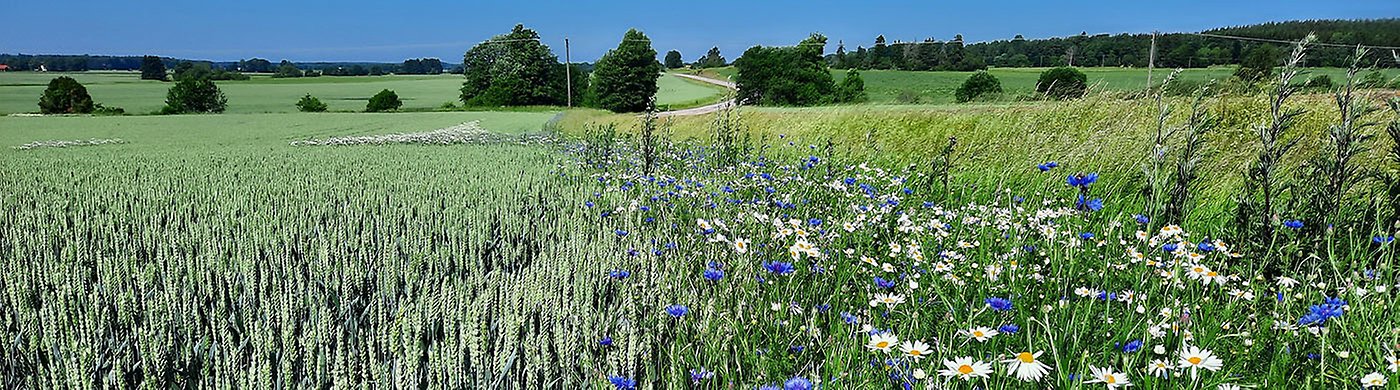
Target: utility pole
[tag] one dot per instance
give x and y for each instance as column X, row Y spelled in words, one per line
column 568, row 73
column 1151, row 59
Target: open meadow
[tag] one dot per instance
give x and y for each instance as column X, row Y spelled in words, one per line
column 470, row 231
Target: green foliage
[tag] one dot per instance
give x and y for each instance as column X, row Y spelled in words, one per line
column 712, row 59
column 310, row 103
column 287, row 69
column 852, row 88
column 194, row 96
column 152, row 68
column 385, row 100
column 99, row 109
column 624, row 80
column 1320, row 81
column 785, row 76
column 204, row 70
column 1062, row 83
column 980, row 83
column 65, row 96
column 513, row 69
column 674, row 60
column 1259, row 64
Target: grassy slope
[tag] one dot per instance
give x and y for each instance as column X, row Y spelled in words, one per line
column 885, row 86
column 1000, row 143
column 678, row 93
column 19, row 91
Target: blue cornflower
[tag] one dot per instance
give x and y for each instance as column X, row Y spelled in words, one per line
column 1047, row 166
column 1000, row 304
column 588, row 204
column 797, row 348
column 1169, row 247
column 623, row 383
column 1086, row 236
column 815, row 221
column 1293, row 224
column 1205, row 247
column 1382, row 239
column 698, row 375
column 882, row 283
column 1133, row 346
column 849, row 318
column 823, row 307
column 714, row 275
column 797, row 383
column 778, row 267
column 677, row 310
column 1085, row 204
column 621, row 233
column 619, row 274
column 1142, row 219
column 1319, row 314
column 1082, row 180
column 769, row 387
column 606, row 341
column 1009, row 329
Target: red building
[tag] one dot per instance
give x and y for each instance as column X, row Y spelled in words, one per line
column 4, row 67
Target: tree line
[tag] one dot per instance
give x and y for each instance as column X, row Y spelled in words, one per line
column 1174, row 50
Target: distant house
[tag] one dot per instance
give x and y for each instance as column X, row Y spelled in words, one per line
column 4, row 68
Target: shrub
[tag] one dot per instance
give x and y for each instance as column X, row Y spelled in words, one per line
column 1373, row 79
column 385, row 100
column 65, row 96
column 152, row 68
column 194, row 95
column 1321, row 81
column 852, row 88
column 100, row 109
column 310, row 103
column 1062, row 83
column 980, row 83
column 1258, row 64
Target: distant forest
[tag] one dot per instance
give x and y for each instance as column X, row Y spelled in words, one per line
column 73, row 63
column 1174, row 50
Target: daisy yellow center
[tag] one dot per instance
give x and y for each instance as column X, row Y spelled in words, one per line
column 965, row 369
column 915, row 352
column 882, row 344
column 1194, row 360
column 1199, row 270
column 976, row 333
column 1109, row 379
column 1026, row 357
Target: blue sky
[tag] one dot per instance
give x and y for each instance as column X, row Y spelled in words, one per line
column 388, row 31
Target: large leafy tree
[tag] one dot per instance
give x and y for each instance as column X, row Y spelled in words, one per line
column 785, row 76
column 194, row 95
column 712, row 59
column 624, row 80
column 514, row 69
column 674, row 60
column 65, row 96
column 152, row 68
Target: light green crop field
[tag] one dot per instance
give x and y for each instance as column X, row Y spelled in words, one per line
column 19, row 91
column 679, row 93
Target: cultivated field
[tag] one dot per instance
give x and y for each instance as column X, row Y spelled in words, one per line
column 989, row 246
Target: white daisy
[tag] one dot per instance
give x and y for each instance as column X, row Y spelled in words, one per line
column 1159, row 368
column 965, row 368
column 1195, row 358
column 1109, row 377
column 1374, row 379
column 1027, row 366
column 882, row 341
column 981, row 333
column 915, row 349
